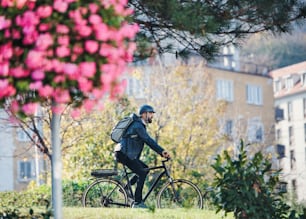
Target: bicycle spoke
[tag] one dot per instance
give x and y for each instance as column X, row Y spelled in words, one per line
column 105, row 193
column 180, row 194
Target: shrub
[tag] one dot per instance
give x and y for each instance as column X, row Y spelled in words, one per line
column 247, row 187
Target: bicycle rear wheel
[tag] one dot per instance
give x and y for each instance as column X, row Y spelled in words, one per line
column 179, row 193
column 105, row 193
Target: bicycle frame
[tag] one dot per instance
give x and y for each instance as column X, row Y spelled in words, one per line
column 156, row 179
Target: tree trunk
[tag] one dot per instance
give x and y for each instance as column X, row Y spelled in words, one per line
column 56, row 166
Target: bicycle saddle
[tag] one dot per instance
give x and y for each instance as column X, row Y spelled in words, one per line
column 104, row 172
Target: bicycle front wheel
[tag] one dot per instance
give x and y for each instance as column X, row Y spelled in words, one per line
column 180, row 193
column 105, row 193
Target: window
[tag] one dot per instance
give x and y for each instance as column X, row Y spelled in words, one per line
column 289, row 82
column 228, row 127
column 22, row 135
column 255, row 130
column 305, row 132
column 304, row 79
column 134, row 87
column 225, row 90
column 304, row 107
column 305, row 156
column 26, row 170
column 277, row 85
column 290, row 111
column 291, row 135
column 292, row 159
column 278, row 134
column 254, row 94
column 293, row 184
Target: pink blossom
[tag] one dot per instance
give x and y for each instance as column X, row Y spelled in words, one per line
column 59, row 79
column 102, row 32
column 44, row 11
column 4, row 68
column 44, row 27
column 61, row 96
column 93, row 8
column 60, row 28
column 34, row 59
column 4, row 23
column 63, row 40
column 19, row 72
column 71, row 70
column 20, row 3
column 85, row 85
column 6, row 89
column 35, row 85
column 89, row 105
column 18, row 51
column 91, row 46
column 76, row 113
column 83, row 10
column 29, row 108
column 30, row 38
column 7, row 3
column 6, row 51
column 14, row 107
column 57, row 65
column 62, row 51
column 7, row 33
column 83, row 30
column 38, row 75
column 95, row 19
column 87, row 69
column 45, row 91
column 77, row 49
column 128, row 30
column 16, row 34
column 29, row 19
column 60, row 6
column 44, row 41
column 58, row 109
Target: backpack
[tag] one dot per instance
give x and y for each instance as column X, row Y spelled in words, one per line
column 120, row 128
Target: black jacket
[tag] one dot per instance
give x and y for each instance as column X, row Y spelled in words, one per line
column 134, row 139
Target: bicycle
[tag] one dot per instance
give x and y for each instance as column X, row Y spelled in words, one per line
column 107, row 190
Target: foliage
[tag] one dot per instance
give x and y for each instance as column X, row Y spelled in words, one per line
column 180, row 27
column 186, row 120
column 247, row 187
column 39, row 196
column 94, row 150
column 275, row 51
column 73, row 191
column 62, row 51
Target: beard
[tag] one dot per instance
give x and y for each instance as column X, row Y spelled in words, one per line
column 149, row 120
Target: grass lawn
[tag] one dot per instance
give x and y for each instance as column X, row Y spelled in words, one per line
column 128, row 213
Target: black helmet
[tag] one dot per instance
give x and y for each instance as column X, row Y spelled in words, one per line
column 146, row 108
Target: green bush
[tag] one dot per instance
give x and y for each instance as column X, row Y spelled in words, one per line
column 72, row 192
column 247, row 187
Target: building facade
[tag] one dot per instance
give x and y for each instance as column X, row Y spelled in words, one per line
column 290, row 128
column 20, row 162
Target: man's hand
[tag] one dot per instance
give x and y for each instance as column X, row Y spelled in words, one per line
column 165, row 154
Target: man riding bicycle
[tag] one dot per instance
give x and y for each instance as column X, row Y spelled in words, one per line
column 129, row 151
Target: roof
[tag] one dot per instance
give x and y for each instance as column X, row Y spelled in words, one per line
column 294, row 73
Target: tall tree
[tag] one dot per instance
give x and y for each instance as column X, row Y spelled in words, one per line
column 203, row 26
column 62, row 52
column 186, row 121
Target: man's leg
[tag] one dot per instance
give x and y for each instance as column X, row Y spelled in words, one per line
column 137, row 167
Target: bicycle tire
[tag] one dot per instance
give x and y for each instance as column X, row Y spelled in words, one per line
column 105, row 193
column 180, row 193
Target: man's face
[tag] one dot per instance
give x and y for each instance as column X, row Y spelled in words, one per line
column 148, row 117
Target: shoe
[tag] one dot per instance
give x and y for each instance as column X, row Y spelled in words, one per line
column 139, row 205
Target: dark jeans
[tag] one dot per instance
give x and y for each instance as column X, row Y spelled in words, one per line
column 137, row 167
